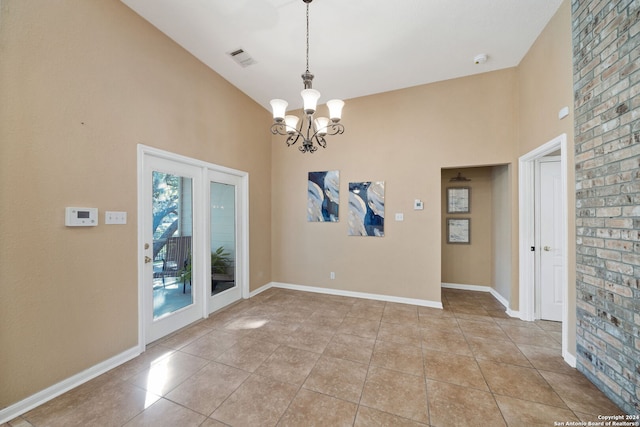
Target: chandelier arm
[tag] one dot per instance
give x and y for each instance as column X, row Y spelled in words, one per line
column 335, row 129
column 292, row 139
column 332, row 129
column 307, row 140
column 320, row 140
column 296, row 134
column 278, row 129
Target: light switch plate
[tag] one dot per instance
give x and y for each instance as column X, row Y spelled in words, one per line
column 111, row 217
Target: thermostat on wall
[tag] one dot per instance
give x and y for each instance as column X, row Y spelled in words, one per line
column 81, row 217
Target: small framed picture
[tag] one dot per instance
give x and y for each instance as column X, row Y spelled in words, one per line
column 458, row 200
column 459, row 230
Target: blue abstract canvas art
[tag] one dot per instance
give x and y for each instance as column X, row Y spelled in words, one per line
column 323, row 201
column 366, row 209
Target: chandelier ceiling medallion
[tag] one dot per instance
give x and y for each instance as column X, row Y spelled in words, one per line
column 311, row 132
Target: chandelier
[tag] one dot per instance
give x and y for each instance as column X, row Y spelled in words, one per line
column 311, row 132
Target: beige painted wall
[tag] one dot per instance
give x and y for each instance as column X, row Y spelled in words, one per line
column 404, row 138
column 470, row 264
column 82, row 83
column 545, row 85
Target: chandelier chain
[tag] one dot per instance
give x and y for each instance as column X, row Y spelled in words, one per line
column 307, row 37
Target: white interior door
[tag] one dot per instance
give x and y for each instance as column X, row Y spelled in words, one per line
column 550, row 240
column 171, row 209
column 226, row 232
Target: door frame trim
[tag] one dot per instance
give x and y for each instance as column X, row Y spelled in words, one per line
column 526, row 221
column 243, row 243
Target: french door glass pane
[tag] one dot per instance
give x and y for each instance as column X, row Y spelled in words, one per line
column 223, row 237
column 172, row 243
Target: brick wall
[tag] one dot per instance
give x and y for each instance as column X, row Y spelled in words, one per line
column 606, row 58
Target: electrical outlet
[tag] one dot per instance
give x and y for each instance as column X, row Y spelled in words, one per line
column 332, row 275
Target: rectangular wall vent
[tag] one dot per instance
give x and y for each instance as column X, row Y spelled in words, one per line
column 241, row 57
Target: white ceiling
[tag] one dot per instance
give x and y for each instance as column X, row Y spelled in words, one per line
column 357, row 47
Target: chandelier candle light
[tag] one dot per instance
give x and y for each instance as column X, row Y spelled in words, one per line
column 312, row 130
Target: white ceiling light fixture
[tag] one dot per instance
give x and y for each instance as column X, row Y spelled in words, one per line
column 312, row 132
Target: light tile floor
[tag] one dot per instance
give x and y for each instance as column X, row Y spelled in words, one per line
column 292, row 358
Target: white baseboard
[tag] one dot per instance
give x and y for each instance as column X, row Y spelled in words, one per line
column 569, row 358
column 465, row 287
column 377, row 297
column 480, row 288
column 43, row 396
column 513, row 313
column 260, row 289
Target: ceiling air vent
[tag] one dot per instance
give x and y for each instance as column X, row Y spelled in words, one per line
column 241, row 57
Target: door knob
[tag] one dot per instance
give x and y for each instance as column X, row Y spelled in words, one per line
column 547, row 248
column 147, row 260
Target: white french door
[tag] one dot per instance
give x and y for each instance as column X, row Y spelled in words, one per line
column 225, row 232
column 193, row 237
column 171, row 211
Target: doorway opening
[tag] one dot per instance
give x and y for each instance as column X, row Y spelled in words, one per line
column 529, row 244
column 476, row 230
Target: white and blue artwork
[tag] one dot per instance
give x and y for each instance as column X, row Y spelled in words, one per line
column 366, row 209
column 323, row 200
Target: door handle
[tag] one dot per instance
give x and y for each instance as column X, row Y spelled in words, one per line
column 147, row 260
column 547, row 248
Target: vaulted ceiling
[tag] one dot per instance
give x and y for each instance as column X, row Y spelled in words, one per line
column 357, row 47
